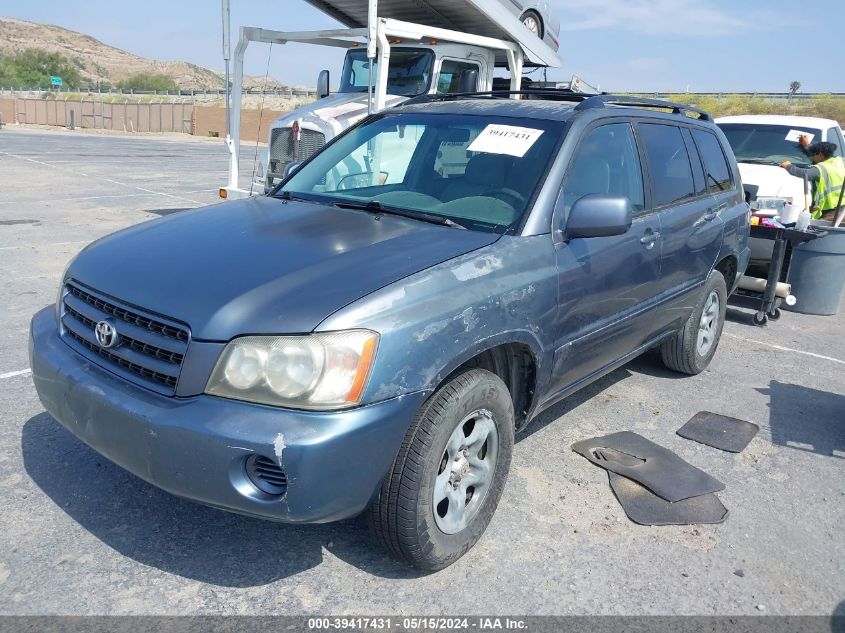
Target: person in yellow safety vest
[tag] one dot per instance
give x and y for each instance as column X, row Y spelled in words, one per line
column 827, row 175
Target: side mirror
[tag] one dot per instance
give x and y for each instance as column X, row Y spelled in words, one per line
column 751, row 192
column 468, row 81
column 323, row 84
column 598, row 215
column 291, row 168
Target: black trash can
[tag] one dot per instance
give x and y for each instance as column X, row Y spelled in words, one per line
column 817, row 273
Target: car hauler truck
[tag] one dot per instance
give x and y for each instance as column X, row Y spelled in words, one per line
column 450, row 46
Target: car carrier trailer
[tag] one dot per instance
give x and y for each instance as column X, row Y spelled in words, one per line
column 489, row 32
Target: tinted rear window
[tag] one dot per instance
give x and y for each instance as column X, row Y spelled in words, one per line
column 716, row 169
column 669, row 164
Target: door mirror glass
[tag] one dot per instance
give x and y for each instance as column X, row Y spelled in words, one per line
column 323, row 84
column 597, row 215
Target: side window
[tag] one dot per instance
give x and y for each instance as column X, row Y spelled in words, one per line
column 450, row 75
column 833, row 137
column 716, row 168
column 668, row 163
column 606, row 163
column 695, row 161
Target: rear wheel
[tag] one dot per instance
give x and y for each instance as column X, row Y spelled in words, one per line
column 533, row 22
column 693, row 347
column 446, row 481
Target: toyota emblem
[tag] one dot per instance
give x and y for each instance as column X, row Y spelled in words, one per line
column 106, row 335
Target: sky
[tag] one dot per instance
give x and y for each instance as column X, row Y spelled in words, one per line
column 621, row 45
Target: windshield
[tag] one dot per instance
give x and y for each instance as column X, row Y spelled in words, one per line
column 409, row 72
column 478, row 172
column 754, row 143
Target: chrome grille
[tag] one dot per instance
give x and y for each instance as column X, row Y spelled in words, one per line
column 282, row 150
column 150, row 351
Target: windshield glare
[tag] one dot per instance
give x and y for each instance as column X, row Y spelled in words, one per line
column 767, row 143
column 409, row 72
column 480, row 172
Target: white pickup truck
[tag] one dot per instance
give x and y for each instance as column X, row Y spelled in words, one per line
column 761, row 143
column 396, row 60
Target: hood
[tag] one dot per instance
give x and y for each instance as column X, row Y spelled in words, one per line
column 776, row 182
column 338, row 111
column 262, row 265
column 773, row 181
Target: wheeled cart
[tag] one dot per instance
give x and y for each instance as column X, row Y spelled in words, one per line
column 767, row 304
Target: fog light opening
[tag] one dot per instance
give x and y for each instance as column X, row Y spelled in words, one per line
column 266, row 475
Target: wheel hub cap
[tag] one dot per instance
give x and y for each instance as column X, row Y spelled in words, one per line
column 465, row 472
column 708, row 326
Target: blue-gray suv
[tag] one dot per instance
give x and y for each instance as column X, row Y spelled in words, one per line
column 371, row 335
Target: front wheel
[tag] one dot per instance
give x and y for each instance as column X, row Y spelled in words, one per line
column 533, row 22
column 446, row 480
column 693, row 347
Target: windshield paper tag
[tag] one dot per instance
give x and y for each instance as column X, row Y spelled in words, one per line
column 795, row 136
column 505, row 139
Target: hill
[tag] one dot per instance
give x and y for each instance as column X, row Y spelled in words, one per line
column 98, row 62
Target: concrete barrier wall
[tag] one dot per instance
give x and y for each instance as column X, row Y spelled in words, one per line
column 211, row 121
column 123, row 117
column 7, row 111
column 184, row 118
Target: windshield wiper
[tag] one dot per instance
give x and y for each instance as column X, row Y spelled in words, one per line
column 757, row 161
column 374, row 206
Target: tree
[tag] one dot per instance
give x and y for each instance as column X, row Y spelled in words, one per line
column 32, row 68
column 148, row 81
column 794, row 87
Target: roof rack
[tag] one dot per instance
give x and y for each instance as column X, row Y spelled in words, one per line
column 585, row 101
column 546, row 93
column 600, row 101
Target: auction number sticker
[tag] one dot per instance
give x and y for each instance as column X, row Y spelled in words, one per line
column 795, row 136
column 505, row 139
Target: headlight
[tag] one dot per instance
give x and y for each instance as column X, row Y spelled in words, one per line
column 317, row 371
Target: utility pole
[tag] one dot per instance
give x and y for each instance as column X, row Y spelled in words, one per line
column 226, row 57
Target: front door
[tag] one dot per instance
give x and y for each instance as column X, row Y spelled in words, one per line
column 604, row 282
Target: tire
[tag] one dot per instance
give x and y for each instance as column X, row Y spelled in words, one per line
column 533, row 15
column 685, row 352
column 405, row 518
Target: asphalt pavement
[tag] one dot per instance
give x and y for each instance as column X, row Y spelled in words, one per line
column 78, row 535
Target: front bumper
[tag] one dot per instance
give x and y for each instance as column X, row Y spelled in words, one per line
column 197, row 447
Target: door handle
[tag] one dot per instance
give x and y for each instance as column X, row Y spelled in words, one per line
column 714, row 212
column 650, row 238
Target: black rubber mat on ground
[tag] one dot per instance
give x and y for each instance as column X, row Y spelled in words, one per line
column 719, row 431
column 658, row 469
column 642, row 506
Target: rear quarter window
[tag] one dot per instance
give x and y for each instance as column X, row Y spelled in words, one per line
column 716, row 170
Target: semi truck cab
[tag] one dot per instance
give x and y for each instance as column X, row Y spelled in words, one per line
column 414, row 69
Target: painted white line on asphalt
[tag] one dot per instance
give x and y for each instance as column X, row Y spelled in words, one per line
column 115, row 182
column 12, row 374
column 14, row 248
column 121, row 195
column 781, row 348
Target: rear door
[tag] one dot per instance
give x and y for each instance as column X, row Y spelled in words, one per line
column 689, row 213
column 605, row 283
